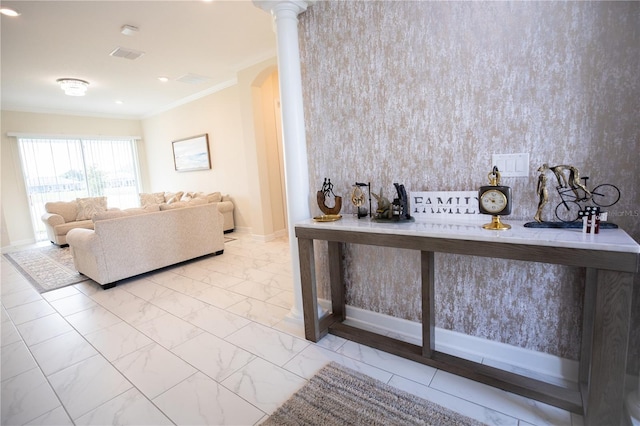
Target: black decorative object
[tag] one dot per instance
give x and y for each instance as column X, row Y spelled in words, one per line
column 326, row 193
column 573, row 194
column 396, row 211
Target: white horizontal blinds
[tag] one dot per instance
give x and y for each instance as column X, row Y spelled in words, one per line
column 112, row 171
column 58, row 169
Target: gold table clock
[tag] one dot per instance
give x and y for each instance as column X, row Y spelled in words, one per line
column 495, row 200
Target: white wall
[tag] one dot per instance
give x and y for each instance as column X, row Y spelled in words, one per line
column 229, row 117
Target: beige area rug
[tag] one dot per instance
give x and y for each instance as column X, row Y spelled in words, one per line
column 337, row 395
column 47, row 268
column 50, row 267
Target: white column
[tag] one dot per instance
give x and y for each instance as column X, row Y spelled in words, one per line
column 633, row 404
column 285, row 15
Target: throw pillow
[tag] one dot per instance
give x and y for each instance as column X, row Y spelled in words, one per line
column 87, row 207
column 172, row 197
column 150, row 199
column 214, row 197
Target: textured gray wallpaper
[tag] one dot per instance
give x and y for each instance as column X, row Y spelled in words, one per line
column 422, row 93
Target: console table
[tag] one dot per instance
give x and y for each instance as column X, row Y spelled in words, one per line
column 611, row 259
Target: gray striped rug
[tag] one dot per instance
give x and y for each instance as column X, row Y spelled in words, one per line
column 337, row 395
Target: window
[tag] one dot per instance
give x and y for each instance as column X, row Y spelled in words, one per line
column 66, row 169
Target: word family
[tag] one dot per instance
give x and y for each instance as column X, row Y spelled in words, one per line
column 427, row 205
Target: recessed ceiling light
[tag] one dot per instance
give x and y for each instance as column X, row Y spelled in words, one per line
column 119, row 102
column 129, row 30
column 9, row 12
column 163, row 79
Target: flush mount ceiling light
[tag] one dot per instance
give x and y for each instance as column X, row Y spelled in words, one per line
column 9, row 12
column 73, row 86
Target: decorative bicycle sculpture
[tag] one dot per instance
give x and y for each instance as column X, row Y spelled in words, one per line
column 568, row 209
column 572, row 193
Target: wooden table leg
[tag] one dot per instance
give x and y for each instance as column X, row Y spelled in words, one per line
column 611, row 307
column 428, row 311
column 336, row 277
column 309, row 291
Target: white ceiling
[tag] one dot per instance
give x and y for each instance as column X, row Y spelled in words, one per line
column 54, row 39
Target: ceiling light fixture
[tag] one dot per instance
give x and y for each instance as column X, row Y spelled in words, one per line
column 9, row 12
column 129, row 30
column 163, row 79
column 73, row 86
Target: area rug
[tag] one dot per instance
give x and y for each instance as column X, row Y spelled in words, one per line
column 47, row 268
column 337, row 395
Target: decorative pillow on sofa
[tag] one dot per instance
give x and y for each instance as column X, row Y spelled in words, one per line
column 151, row 199
column 87, row 207
column 172, row 197
column 214, row 197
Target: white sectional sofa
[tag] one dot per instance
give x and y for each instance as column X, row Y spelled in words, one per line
column 128, row 243
column 62, row 216
column 170, row 200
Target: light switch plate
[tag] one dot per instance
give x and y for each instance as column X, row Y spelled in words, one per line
column 511, row 165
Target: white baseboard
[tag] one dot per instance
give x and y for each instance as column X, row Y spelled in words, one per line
column 465, row 346
column 270, row 237
column 17, row 244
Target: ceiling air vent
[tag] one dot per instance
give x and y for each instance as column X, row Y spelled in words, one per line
column 192, row 79
column 121, row 52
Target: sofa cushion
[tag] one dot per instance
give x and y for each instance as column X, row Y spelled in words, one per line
column 198, row 202
column 152, row 198
column 174, row 205
column 146, row 209
column 67, row 209
column 108, row 214
column 115, row 213
column 63, row 229
column 87, row 207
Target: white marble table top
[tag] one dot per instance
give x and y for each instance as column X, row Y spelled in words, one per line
column 615, row 240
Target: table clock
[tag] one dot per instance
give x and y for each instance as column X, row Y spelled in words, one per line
column 495, row 200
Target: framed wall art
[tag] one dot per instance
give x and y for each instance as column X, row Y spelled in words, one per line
column 192, row 153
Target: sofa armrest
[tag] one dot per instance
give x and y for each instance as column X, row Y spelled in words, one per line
column 88, row 256
column 82, row 239
column 52, row 219
column 224, row 206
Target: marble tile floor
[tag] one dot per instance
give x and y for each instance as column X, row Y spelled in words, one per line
column 202, row 343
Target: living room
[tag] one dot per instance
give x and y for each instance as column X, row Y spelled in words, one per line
column 556, row 80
